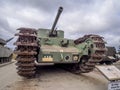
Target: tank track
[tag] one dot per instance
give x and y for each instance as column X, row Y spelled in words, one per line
column 87, row 63
column 26, row 51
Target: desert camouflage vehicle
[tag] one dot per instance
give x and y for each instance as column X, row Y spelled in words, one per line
column 37, row 47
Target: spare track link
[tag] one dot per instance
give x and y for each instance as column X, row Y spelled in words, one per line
column 26, row 51
column 88, row 64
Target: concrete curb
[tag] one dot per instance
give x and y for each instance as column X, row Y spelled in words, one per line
column 4, row 64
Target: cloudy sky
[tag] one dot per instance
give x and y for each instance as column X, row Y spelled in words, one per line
column 79, row 17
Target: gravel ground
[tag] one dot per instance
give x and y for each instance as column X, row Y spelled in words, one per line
column 52, row 78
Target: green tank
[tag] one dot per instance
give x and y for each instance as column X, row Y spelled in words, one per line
column 5, row 52
column 36, row 47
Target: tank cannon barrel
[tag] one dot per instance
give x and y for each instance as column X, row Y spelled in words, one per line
column 3, row 42
column 55, row 22
column 9, row 40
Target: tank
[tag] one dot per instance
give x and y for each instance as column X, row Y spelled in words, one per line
column 5, row 52
column 111, row 56
column 37, row 47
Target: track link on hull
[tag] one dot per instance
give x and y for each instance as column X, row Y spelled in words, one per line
column 87, row 63
column 26, row 51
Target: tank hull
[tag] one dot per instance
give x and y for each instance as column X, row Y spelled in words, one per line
column 5, row 54
column 80, row 55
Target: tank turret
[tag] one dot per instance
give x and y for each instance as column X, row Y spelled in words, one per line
column 53, row 33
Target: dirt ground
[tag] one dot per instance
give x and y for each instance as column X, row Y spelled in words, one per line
column 51, row 78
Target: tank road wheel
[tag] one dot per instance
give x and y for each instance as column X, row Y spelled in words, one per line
column 26, row 51
column 97, row 52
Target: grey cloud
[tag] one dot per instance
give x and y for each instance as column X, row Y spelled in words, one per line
column 48, row 5
column 4, row 24
column 5, row 29
column 78, row 18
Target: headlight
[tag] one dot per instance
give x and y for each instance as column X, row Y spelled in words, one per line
column 67, row 57
column 75, row 57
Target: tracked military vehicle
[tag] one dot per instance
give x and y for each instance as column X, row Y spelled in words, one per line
column 5, row 52
column 111, row 56
column 48, row 46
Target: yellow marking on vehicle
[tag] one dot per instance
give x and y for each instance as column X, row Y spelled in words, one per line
column 47, row 59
